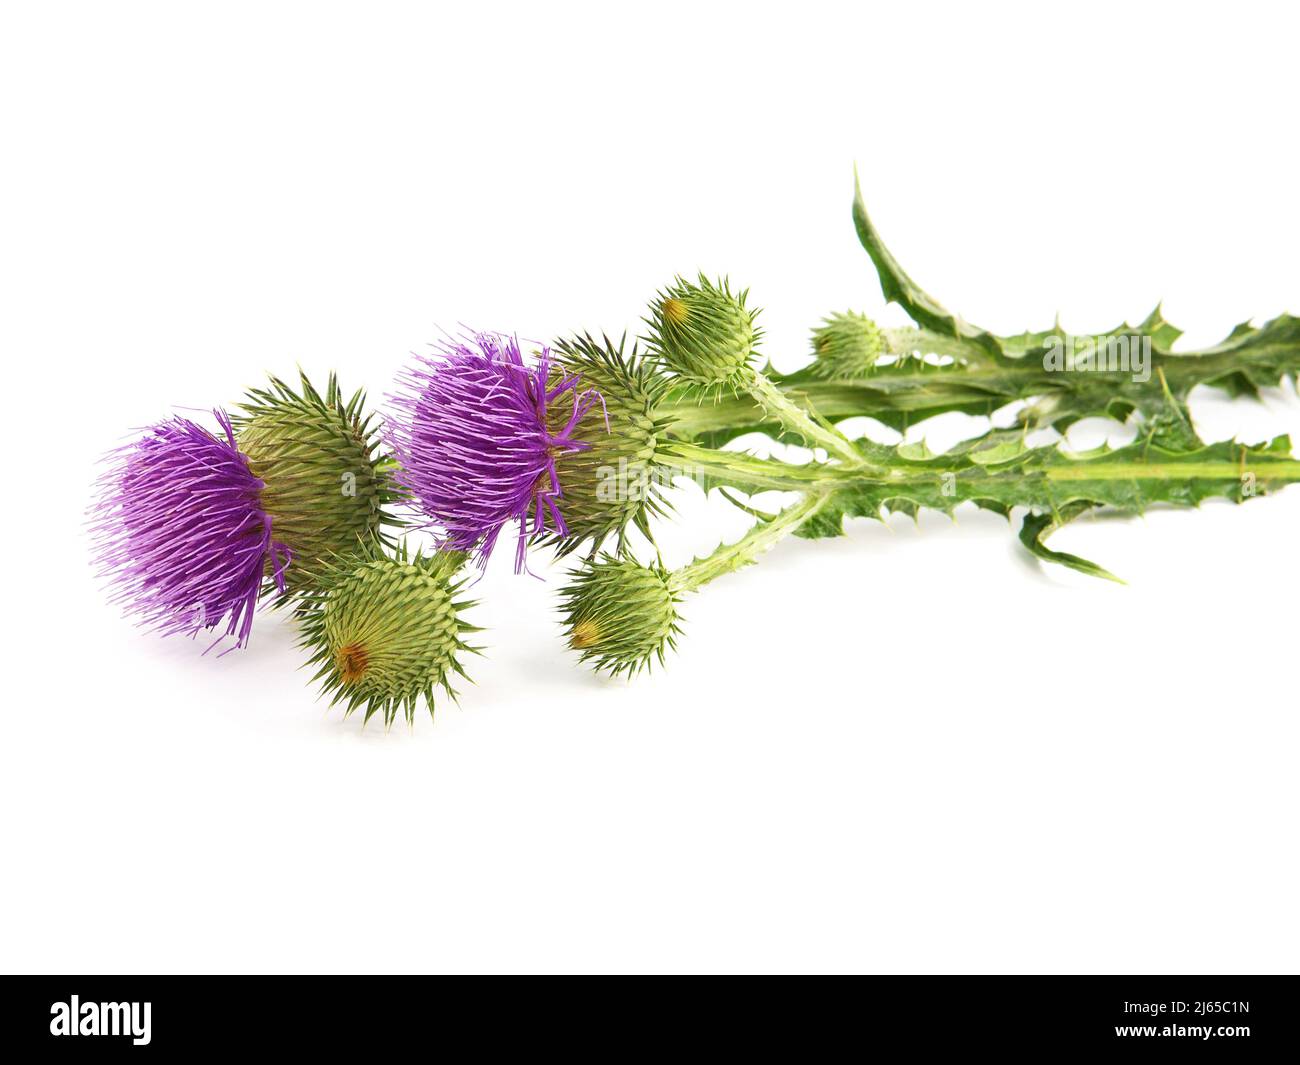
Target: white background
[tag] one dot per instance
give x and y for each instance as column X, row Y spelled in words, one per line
column 907, row 750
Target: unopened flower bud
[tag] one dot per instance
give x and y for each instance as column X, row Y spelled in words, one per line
column 620, row 614
column 386, row 632
column 846, row 346
column 702, row 332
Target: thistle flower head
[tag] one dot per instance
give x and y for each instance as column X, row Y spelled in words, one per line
column 326, row 487
column 846, row 345
column 386, row 632
column 614, row 481
column 620, row 614
column 180, row 531
column 702, row 332
column 478, row 436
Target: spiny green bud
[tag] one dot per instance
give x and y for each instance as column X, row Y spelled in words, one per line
column 702, row 332
column 325, row 487
column 386, row 632
column 846, row 345
column 616, row 480
column 620, row 614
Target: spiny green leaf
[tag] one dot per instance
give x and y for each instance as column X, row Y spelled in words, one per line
column 911, row 390
column 899, row 288
column 1037, row 527
column 1000, row 472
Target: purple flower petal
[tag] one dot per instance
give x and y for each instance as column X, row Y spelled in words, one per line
column 474, row 446
column 180, row 533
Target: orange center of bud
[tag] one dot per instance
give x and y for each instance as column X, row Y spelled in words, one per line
column 352, row 661
column 585, row 634
column 675, row 311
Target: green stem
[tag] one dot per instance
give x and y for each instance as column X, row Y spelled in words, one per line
column 979, row 385
column 1130, row 478
column 795, row 419
column 912, row 397
column 759, row 539
column 747, row 472
column 912, row 341
column 997, row 472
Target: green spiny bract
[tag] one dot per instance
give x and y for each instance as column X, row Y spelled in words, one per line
column 386, row 632
column 619, row 614
column 846, row 345
column 326, row 487
column 615, row 481
column 702, row 332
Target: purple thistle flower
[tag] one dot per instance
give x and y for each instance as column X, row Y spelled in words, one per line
column 180, row 532
column 475, row 446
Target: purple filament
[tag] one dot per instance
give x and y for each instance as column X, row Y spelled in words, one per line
column 473, row 443
column 180, row 534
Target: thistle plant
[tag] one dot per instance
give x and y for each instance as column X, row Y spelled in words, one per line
column 570, row 445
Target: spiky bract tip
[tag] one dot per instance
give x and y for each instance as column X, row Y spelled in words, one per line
column 386, row 633
column 620, row 614
column 702, row 332
column 326, row 486
column 846, row 346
